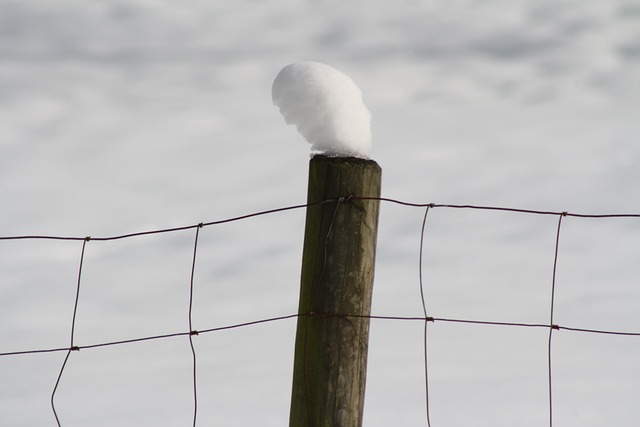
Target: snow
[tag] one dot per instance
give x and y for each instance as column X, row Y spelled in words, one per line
column 326, row 107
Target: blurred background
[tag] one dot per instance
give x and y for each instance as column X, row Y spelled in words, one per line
column 125, row 116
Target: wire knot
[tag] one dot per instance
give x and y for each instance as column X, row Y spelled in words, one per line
column 344, row 199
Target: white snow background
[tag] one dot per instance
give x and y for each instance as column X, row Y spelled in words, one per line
column 125, row 116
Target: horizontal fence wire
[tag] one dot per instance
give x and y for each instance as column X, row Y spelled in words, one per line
column 169, row 230
column 301, row 206
column 426, row 319
column 296, row 315
column 153, row 337
column 503, row 209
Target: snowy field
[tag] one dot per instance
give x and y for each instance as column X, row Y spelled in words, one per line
column 125, row 116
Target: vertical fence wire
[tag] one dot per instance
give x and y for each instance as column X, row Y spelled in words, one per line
column 193, row 332
column 426, row 318
column 551, row 324
column 73, row 328
column 314, row 292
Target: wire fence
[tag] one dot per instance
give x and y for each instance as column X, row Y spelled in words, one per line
column 426, row 318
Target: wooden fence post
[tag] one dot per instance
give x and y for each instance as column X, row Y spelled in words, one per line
column 335, row 293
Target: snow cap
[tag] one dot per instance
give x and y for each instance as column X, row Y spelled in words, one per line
column 326, row 107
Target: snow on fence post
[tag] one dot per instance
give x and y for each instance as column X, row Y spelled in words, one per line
column 335, row 293
column 332, row 338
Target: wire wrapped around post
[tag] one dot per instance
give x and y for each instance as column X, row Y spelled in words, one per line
column 335, row 293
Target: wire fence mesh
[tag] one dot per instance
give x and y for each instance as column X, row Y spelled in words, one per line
column 430, row 267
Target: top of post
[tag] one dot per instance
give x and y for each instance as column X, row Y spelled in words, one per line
column 338, row 160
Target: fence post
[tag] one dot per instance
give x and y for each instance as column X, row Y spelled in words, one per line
column 337, row 280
